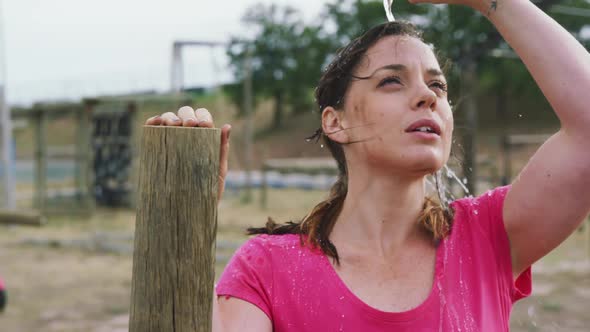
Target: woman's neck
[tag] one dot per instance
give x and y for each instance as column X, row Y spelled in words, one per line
column 380, row 214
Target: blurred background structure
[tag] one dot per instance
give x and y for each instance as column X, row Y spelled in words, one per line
column 6, row 148
column 81, row 78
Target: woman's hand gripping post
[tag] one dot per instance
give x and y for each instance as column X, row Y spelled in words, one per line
column 187, row 117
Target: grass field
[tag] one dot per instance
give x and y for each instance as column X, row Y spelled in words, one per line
column 61, row 277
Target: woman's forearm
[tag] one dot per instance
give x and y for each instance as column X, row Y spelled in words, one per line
column 557, row 61
column 216, row 323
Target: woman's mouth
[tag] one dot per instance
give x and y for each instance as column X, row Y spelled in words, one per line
column 426, row 127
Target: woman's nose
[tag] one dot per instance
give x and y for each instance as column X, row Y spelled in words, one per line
column 424, row 98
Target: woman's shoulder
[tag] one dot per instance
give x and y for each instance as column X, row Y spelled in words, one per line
column 480, row 215
column 263, row 254
column 488, row 202
column 268, row 243
column 274, row 240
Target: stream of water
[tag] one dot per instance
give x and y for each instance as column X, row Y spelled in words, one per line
column 387, row 5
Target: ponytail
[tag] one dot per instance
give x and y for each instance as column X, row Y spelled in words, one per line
column 317, row 225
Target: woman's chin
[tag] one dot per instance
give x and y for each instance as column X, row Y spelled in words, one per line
column 424, row 166
column 414, row 162
column 414, row 167
column 428, row 160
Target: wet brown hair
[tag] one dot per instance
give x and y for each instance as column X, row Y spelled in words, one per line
column 316, row 227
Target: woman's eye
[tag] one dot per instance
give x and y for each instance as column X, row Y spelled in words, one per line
column 439, row 85
column 389, row 80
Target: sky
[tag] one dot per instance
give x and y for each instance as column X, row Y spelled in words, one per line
column 72, row 48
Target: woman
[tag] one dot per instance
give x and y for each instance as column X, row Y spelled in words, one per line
column 378, row 255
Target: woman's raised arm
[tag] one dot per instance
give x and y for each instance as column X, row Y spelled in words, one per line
column 551, row 196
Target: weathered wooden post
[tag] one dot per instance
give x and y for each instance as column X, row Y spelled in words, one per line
column 174, row 256
column 40, row 120
column 84, row 158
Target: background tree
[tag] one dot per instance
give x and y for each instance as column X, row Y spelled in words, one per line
column 287, row 58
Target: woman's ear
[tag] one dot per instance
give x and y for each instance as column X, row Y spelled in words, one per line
column 332, row 125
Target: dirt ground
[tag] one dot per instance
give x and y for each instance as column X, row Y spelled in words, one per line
column 75, row 274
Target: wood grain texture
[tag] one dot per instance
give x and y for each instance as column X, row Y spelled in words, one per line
column 174, row 255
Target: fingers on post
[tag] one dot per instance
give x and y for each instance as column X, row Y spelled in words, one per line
column 204, row 118
column 154, row 121
column 224, row 150
column 170, row 119
column 225, row 132
column 187, row 116
column 223, row 158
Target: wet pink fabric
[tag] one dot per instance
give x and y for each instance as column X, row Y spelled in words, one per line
column 299, row 290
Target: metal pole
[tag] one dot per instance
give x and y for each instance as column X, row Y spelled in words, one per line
column 6, row 130
column 176, row 73
column 177, row 66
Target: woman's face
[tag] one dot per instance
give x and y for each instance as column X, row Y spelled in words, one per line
column 399, row 119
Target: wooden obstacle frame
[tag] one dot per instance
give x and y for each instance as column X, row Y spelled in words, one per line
column 38, row 116
column 105, row 150
column 118, row 126
column 113, row 149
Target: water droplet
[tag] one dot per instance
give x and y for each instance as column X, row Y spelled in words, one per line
column 452, row 175
column 520, row 115
column 308, row 140
column 322, row 146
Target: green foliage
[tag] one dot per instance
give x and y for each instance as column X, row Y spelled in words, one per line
column 287, row 57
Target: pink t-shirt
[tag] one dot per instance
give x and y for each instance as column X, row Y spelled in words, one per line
column 299, row 290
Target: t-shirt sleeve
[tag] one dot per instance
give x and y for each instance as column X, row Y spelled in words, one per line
column 488, row 211
column 248, row 276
